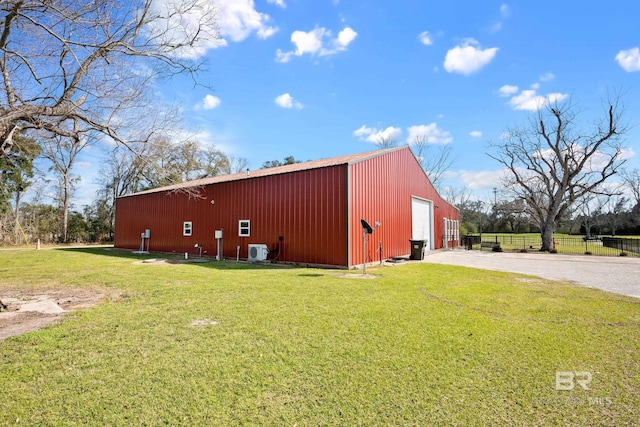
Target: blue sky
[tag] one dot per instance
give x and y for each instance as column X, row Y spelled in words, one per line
column 323, row 78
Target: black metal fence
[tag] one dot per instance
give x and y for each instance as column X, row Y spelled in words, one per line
column 575, row 245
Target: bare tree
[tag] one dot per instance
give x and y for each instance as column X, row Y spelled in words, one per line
column 62, row 153
column 513, row 214
column 386, row 141
column 214, row 162
column 236, row 165
column 76, row 67
column 552, row 163
column 434, row 164
column 632, row 182
column 615, row 212
column 589, row 208
column 457, row 196
column 120, row 174
column 161, row 160
column 289, row 160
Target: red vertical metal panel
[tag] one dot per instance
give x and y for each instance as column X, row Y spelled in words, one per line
column 317, row 211
column 306, row 208
column 380, row 189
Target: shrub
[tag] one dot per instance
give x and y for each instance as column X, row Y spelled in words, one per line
column 623, row 253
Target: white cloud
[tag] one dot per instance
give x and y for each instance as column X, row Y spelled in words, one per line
column 237, row 19
column 209, row 102
column 425, row 38
column 310, row 42
column 468, row 57
column 504, row 14
column 215, row 21
column 286, row 101
column 266, row 32
column 529, row 100
column 375, row 135
column 627, row 153
column 600, row 159
column 317, row 42
column 279, row 3
column 431, row 134
column 507, row 90
column 364, row 130
column 482, row 179
column 504, row 11
column 345, row 37
column 547, row 77
column 629, row 60
column 556, row 97
column 475, row 134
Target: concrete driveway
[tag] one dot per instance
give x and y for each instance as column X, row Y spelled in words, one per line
column 612, row 274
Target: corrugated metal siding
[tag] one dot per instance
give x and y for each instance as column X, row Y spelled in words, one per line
column 317, row 211
column 380, row 189
column 307, row 208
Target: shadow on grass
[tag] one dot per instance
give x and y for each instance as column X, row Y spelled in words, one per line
column 177, row 259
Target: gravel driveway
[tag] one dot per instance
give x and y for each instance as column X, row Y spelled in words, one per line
column 612, row 274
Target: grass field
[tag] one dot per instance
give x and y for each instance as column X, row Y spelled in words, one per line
column 420, row 344
column 565, row 244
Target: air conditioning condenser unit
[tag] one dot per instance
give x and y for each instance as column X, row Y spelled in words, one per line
column 258, row 252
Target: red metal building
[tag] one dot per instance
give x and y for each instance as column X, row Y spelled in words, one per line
column 306, row 213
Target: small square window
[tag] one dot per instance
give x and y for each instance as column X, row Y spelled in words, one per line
column 187, row 228
column 244, row 228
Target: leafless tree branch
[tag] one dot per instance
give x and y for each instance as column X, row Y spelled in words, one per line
column 551, row 165
column 75, row 67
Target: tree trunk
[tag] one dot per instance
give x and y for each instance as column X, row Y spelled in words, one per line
column 65, row 208
column 16, row 212
column 546, row 231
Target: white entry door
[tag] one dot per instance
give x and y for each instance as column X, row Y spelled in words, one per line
column 421, row 222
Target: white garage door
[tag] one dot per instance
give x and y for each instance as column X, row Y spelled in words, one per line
column 421, row 220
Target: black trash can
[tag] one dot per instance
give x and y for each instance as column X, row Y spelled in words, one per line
column 417, row 249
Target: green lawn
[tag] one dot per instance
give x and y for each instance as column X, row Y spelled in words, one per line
column 565, row 244
column 420, row 344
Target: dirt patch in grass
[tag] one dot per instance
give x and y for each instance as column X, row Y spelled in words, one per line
column 532, row 280
column 28, row 310
column 204, row 322
column 359, row 276
column 169, row 261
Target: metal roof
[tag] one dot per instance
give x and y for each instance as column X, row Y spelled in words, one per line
column 297, row 167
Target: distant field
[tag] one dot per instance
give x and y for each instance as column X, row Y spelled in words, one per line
column 564, row 244
column 225, row 343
